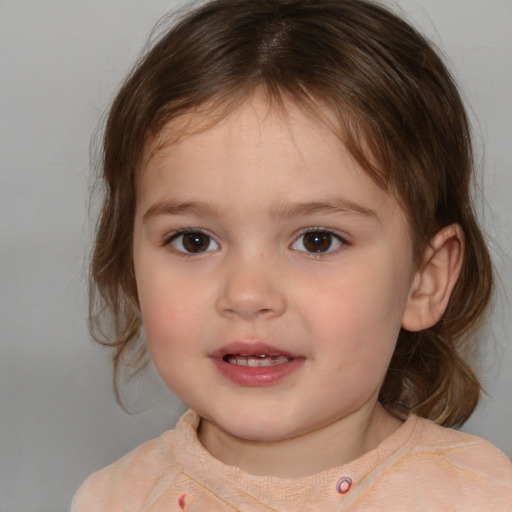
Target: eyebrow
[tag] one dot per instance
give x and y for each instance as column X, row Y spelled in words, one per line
column 279, row 211
column 334, row 206
column 170, row 207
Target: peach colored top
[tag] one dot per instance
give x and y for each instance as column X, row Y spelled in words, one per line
column 421, row 467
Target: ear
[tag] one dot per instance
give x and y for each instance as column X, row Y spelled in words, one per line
column 434, row 281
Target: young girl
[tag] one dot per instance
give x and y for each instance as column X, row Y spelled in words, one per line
column 287, row 215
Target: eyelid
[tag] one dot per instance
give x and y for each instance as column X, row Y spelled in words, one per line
column 171, row 237
column 341, row 238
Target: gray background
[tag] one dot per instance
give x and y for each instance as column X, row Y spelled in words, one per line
column 60, row 63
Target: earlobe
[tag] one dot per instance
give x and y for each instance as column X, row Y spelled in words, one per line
column 434, row 281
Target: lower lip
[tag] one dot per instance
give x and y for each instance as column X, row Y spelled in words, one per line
column 255, row 376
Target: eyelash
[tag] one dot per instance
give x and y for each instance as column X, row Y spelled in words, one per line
column 173, row 237
column 168, row 241
column 334, row 236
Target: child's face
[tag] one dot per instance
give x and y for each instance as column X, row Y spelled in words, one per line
column 262, row 237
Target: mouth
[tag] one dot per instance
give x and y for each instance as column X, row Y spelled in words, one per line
column 259, row 361
column 254, row 363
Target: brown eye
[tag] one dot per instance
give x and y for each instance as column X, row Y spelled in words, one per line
column 193, row 242
column 317, row 242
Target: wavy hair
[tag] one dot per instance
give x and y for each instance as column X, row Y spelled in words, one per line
column 401, row 117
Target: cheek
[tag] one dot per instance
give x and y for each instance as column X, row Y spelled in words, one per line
column 168, row 321
column 166, row 327
column 174, row 315
column 360, row 315
column 163, row 311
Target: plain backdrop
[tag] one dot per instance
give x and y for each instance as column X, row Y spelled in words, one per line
column 60, row 64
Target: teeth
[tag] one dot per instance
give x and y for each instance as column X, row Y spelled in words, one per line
column 256, row 361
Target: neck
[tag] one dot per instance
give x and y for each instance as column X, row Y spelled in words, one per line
column 333, row 445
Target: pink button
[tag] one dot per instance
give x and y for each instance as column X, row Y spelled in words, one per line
column 344, row 484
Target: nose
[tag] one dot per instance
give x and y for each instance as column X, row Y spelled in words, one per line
column 251, row 288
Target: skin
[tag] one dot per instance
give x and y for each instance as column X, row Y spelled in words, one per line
column 240, row 183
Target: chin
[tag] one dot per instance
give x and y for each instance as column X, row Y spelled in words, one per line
column 256, row 428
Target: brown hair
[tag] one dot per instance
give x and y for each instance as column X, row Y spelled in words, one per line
column 402, row 118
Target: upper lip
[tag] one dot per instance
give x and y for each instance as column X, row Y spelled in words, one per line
column 250, row 348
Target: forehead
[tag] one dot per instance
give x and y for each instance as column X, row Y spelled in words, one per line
column 281, row 130
column 256, row 106
column 258, row 152
column 332, row 117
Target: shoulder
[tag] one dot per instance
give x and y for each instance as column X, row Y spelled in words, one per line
column 126, row 483
column 458, row 447
column 467, row 465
